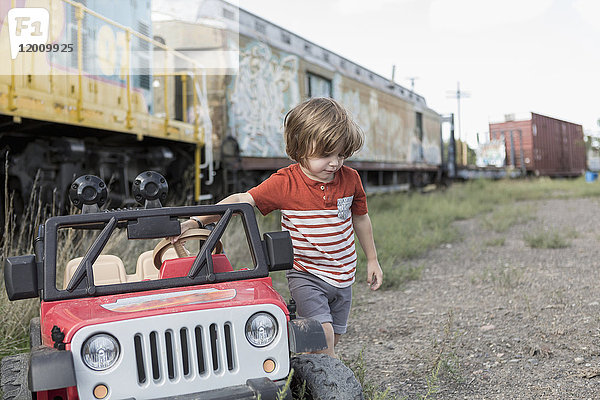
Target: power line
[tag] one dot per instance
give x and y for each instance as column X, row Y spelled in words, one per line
column 458, row 95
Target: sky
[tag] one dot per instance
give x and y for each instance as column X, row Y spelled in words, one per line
column 510, row 56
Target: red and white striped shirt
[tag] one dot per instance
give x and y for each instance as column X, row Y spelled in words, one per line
column 318, row 216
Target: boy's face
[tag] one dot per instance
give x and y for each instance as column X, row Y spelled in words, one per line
column 323, row 168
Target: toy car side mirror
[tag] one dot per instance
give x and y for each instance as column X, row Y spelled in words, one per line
column 280, row 253
column 21, row 277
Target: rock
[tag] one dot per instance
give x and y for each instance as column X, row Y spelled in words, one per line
column 578, row 360
column 486, row 328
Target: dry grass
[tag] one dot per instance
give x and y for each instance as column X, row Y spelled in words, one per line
column 17, row 240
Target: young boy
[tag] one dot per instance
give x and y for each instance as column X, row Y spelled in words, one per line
column 322, row 204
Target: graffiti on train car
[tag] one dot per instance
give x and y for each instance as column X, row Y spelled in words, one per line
column 263, row 91
column 268, row 86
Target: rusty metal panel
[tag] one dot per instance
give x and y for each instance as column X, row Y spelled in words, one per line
column 388, row 123
column 432, row 152
column 560, row 146
column 550, row 146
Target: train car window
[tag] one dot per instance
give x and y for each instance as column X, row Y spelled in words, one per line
column 142, row 56
column 318, row 86
column 285, row 38
column 419, row 126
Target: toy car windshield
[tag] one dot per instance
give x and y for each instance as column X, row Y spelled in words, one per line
column 121, row 251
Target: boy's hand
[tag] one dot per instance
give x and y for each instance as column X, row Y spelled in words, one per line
column 374, row 274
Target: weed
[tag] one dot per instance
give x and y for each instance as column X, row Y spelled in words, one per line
column 507, row 216
column 370, row 391
column 546, row 240
column 281, row 393
column 397, row 275
column 572, row 233
column 446, row 362
column 497, row 242
column 558, row 296
column 301, row 393
column 504, row 278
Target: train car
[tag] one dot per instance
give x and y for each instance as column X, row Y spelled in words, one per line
column 541, row 145
column 202, row 87
column 85, row 102
column 277, row 70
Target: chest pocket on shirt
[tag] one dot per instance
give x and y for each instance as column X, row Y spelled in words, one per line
column 343, row 206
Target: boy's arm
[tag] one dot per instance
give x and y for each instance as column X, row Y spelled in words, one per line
column 364, row 232
column 207, row 219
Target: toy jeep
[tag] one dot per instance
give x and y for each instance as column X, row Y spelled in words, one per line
column 162, row 323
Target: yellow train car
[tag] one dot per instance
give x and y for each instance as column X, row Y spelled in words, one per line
column 84, row 100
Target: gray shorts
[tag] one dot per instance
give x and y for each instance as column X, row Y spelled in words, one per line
column 318, row 299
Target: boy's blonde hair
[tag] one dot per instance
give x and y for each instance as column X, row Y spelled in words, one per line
column 317, row 126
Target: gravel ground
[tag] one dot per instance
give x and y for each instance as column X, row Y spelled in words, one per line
column 490, row 322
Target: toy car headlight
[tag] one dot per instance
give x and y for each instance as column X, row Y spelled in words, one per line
column 261, row 329
column 100, row 352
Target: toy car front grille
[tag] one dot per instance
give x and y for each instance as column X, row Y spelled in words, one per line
column 186, row 352
column 179, row 353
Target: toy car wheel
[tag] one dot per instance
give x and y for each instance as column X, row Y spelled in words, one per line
column 321, row 377
column 35, row 333
column 14, row 377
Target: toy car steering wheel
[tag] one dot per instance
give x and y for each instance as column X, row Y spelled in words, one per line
column 190, row 234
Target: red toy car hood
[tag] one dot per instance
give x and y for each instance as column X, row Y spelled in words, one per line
column 72, row 315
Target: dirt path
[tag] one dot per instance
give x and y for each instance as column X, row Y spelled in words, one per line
column 491, row 322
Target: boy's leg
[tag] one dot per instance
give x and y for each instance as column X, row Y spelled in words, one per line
column 336, row 338
column 312, row 301
column 323, row 302
column 332, row 339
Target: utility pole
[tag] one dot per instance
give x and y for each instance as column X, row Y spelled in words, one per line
column 458, row 95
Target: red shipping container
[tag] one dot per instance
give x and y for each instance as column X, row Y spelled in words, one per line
column 545, row 145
